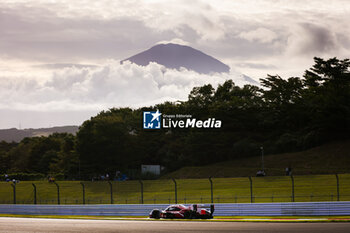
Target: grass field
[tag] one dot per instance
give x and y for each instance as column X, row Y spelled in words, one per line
column 225, row 190
column 216, row 218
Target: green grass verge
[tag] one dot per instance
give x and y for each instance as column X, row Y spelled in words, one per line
column 225, row 190
column 215, row 219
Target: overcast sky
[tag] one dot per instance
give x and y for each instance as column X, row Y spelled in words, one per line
column 59, row 60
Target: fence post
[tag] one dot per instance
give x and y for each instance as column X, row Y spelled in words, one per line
column 211, row 190
column 336, row 176
column 34, row 186
column 251, row 189
column 83, row 185
column 292, row 178
column 58, row 193
column 14, row 192
column 111, row 189
column 175, row 189
column 141, row 183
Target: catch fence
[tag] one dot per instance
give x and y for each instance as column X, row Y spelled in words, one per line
column 312, row 188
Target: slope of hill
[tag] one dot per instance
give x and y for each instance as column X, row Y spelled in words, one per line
column 17, row 135
column 175, row 56
column 326, row 159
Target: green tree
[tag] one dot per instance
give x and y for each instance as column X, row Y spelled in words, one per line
column 102, row 143
column 327, row 97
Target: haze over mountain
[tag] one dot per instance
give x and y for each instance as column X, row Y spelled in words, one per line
column 175, row 56
column 16, row 135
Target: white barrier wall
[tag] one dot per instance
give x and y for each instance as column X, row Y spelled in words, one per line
column 249, row 209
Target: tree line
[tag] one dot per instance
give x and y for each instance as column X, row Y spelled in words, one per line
column 282, row 115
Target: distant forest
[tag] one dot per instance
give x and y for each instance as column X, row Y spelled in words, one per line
column 283, row 115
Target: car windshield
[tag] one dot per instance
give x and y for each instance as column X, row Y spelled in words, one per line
column 173, row 208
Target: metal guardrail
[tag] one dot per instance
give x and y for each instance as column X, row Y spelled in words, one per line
column 249, row 209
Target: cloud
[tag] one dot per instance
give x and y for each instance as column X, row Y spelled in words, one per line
column 251, row 32
column 63, row 65
column 174, row 41
column 256, row 65
column 77, row 88
column 312, row 39
column 261, row 35
column 53, row 53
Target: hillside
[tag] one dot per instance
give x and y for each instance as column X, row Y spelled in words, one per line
column 326, row 159
column 17, row 135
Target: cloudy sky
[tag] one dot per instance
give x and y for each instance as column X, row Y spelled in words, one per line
column 59, row 60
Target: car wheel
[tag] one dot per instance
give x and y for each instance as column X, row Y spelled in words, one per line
column 155, row 214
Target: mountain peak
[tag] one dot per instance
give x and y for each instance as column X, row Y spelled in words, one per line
column 175, row 56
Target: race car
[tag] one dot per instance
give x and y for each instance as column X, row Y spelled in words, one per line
column 195, row 211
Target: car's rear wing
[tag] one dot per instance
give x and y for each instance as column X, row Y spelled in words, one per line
column 204, row 206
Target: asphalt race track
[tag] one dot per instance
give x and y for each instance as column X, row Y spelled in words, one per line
column 26, row 225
